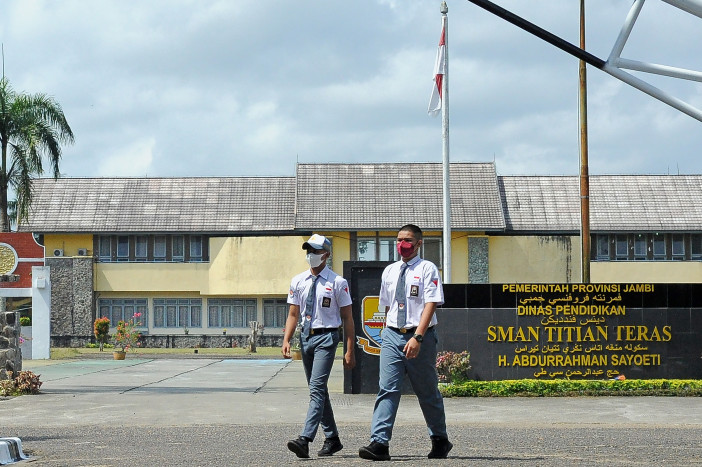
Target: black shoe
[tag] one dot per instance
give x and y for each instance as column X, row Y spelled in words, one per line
column 300, row 447
column 440, row 448
column 331, row 445
column 375, row 452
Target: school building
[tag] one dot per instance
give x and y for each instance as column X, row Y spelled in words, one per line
column 213, row 253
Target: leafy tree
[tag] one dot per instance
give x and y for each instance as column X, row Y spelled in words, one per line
column 31, row 127
column 101, row 328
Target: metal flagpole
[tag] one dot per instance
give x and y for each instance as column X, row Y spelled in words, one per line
column 445, row 138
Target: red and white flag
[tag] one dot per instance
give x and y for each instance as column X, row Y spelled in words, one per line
column 439, row 71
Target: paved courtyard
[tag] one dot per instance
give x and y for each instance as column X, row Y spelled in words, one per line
column 221, row 412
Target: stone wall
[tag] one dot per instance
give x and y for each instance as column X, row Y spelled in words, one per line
column 10, row 354
column 478, row 260
column 71, row 300
column 181, row 341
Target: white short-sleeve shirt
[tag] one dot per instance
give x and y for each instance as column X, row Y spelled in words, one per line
column 422, row 285
column 331, row 295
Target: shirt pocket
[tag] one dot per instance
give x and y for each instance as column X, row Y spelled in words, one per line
column 415, row 289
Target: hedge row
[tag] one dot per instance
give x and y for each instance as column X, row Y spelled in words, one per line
column 564, row 387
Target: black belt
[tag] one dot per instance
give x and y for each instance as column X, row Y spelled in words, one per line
column 403, row 330
column 322, row 330
column 407, row 330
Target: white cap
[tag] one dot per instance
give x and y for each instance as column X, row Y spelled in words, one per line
column 317, row 242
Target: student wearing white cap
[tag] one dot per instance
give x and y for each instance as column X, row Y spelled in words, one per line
column 320, row 299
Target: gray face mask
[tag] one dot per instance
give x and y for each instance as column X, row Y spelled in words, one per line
column 314, row 259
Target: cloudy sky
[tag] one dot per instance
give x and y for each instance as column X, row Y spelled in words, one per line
column 243, row 87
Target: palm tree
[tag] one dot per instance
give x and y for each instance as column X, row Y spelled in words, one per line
column 31, row 127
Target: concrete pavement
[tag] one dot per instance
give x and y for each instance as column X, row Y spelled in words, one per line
column 209, row 411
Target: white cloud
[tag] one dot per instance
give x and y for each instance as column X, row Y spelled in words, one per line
column 214, row 87
column 131, row 160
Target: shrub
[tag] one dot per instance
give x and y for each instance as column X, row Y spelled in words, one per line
column 565, row 387
column 25, row 321
column 452, row 367
column 7, row 387
column 25, row 382
column 101, row 328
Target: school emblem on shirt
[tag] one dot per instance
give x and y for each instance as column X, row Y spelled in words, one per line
column 414, row 291
column 373, row 324
column 326, row 302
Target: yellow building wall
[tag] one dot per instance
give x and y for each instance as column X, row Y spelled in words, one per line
column 263, row 266
column 68, row 243
column 141, row 277
column 239, row 266
column 646, row 271
column 534, row 259
column 459, row 257
column 341, row 250
column 254, row 265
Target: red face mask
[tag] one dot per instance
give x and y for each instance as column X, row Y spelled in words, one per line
column 405, row 248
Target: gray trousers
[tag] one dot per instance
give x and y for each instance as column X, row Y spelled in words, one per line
column 425, row 382
column 318, row 352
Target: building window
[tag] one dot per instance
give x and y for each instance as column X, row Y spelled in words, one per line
column 230, row 312
column 602, row 250
column 678, row 246
column 195, row 248
column 105, row 248
column 431, row 250
column 648, row 247
column 122, row 248
column 366, row 249
column 177, row 312
column 160, row 248
column 385, row 249
column 659, row 246
column 388, row 249
column 141, row 247
column 696, row 246
column 621, row 247
column 178, row 243
column 275, row 312
column 124, row 309
column 640, row 247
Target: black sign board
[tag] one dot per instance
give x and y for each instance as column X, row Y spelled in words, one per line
column 576, row 331
column 546, row 331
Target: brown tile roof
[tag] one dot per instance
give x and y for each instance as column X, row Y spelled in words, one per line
column 387, row 196
column 202, row 204
column 366, row 197
column 618, row 203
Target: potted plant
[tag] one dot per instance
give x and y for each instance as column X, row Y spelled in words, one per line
column 186, row 331
column 101, row 329
column 126, row 336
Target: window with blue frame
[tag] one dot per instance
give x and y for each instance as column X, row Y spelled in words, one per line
column 177, row 312
column 124, row 309
column 230, row 312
